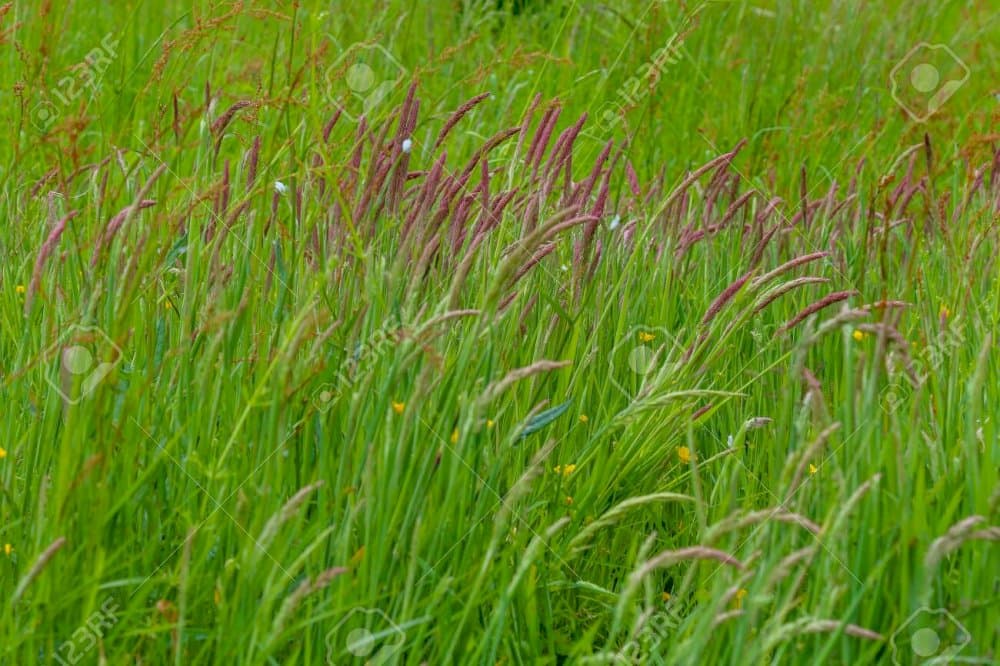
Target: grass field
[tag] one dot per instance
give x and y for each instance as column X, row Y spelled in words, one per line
column 499, row 332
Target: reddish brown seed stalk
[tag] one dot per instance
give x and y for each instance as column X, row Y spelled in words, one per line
column 222, row 122
column 252, row 158
column 723, row 298
column 828, row 300
column 328, row 128
column 543, row 134
column 789, row 265
column 47, row 248
column 456, row 117
column 492, row 143
column 783, row 289
column 724, row 159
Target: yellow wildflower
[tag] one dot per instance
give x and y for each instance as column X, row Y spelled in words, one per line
column 684, row 453
column 665, row 596
column 569, row 501
column 646, row 337
column 584, row 418
column 858, row 335
column 738, row 597
column 398, row 407
column 565, row 470
column 3, row 453
column 813, row 469
column 8, row 549
column 454, row 436
column 20, row 289
column 490, row 423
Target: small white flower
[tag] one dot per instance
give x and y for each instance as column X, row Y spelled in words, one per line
column 407, row 145
column 729, row 442
column 280, row 187
column 615, row 222
column 564, row 268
